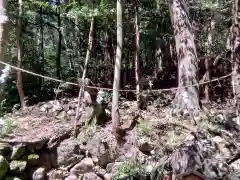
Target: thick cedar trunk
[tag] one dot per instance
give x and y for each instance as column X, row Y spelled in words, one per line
column 82, row 83
column 236, row 56
column 117, row 69
column 187, row 96
column 4, row 30
column 19, row 56
column 137, row 56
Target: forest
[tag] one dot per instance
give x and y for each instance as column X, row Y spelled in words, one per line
column 122, row 90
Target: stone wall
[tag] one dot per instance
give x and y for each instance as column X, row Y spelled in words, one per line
column 24, row 161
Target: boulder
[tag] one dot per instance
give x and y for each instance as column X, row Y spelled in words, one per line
column 18, row 167
column 69, row 153
column 3, row 167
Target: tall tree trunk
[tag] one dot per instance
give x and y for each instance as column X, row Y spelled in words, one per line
column 82, row 83
column 41, row 47
column 117, row 69
column 59, row 47
column 187, row 96
column 236, row 56
column 137, row 56
column 19, row 55
column 4, row 31
column 208, row 58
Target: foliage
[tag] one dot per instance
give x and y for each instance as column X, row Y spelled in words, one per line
column 8, row 126
column 88, row 132
column 144, row 128
column 131, row 171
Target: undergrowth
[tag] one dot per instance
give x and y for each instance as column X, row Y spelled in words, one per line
column 88, row 131
column 144, row 128
column 131, row 171
column 7, row 126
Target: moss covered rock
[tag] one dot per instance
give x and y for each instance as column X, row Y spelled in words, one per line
column 18, row 167
column 32, row 159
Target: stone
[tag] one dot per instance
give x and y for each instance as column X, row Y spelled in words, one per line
column 57, row 107
column 42, row 109
column 86, row 165
column 17, row 167
column 222, row 146
column 145, row 146
column 3, row 167
column 5, row 149
column 95, row 160
column 66, row 107
column 57, row 174
column 37, row 173
column 61, row 115
column 72, row 177
column 99, row 171
column 100, row 150
column 107, row 176
column 69, row 153
column 235, row 165
column 48, row 106
column 71, row 112
column 18, row 151
column 91, row 176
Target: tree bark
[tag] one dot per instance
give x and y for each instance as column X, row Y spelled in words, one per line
column 187, row 96
column 117, row 69
column 59, row 47
column 19, row 55
column 235, row 46
column 137, row 56
column 208, row 58
column 4, row 31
